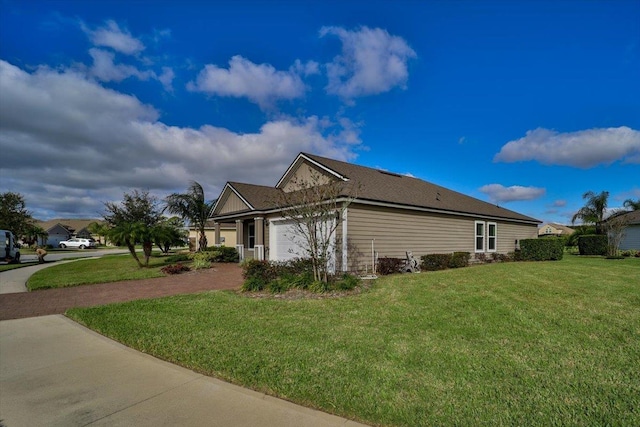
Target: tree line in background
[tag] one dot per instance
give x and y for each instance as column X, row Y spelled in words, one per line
column 138, row 219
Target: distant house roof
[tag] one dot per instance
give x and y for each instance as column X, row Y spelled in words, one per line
column 379, row 187
column 70, row 224
column 565, row 230
column 633, row 217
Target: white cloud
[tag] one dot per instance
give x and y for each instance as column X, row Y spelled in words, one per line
column 307, row 69
column 112, row 36
column 64, row 138
column 500, row 194
column 559, row 203
column 583, row 149
column 105, row 69
column 166, row 78
column 260, row 83
column 372, row 61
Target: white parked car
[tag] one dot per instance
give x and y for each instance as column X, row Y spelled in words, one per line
column 78, row 243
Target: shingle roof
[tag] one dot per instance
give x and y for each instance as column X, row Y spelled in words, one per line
column 260, row 197
column 385, row 187
column 74, row 224
column 382, row 186
column 632, row 217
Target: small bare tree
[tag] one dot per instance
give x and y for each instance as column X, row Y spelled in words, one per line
column 315, row 207
column 615, row 227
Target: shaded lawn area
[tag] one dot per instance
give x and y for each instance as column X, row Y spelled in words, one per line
column 109, row 268
column 551, row 343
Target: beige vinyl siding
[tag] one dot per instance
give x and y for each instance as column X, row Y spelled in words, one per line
column 233, row 203
column 305, row 174
column 509, row 232
column 397, row 231
column 228, row 234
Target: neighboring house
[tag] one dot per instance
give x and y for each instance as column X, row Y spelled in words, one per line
column 227, row 234
column 553, row 229
column 631, row 234
column 65, row 228
column 391, row 214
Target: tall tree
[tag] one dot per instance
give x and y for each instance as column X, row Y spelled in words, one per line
column 193, row 208
column 134, row 221
column 594, row 210
column 634, row 205
column 14, row 215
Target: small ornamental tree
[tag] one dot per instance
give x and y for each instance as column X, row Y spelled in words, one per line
column 615, row 227
column 315, row 207
column 134, row 220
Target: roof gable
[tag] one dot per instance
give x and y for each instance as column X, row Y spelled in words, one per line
column 301, row 169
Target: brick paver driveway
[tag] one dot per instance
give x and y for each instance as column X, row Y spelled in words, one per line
column 57, row 301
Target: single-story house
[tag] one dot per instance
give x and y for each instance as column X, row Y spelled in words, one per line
column 227, row 234
column 553, row 229
column 61, row 229
column 390, row 215
column 631, row 234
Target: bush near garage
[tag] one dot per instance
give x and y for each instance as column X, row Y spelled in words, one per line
column 279, row 277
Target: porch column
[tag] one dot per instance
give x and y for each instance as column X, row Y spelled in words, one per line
column 217, row 233
column 240, row 239
column 258, row 248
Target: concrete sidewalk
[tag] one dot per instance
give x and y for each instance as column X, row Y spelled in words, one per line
column 55, row 372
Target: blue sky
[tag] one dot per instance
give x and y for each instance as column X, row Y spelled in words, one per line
column 526, row 104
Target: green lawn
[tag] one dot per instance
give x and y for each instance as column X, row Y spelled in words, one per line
column 535, row 344
column 109, row 268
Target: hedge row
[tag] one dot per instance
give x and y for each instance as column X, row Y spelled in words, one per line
column 541, row 249
column 593, row 244
column 434, row 262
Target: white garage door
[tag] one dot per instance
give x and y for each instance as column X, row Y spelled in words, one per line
column 286, row 244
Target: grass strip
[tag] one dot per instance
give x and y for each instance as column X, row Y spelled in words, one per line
column 110, row 268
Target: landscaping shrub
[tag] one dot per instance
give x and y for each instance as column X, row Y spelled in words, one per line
column 262, row 271
column 389, row 265
column 201, row 260
column 434, row 262
column 347, row 282
column 593, row 244
column 459, row 259
column 177, row 258
column 223, row 254
column 252, row 284
column 541, row 249
column 279, row 277
column 175, row 269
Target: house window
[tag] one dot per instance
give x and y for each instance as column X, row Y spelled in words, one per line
column 492, row 236
column 479, row 236
column 252, row 235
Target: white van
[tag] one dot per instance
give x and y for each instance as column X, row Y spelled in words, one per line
column 9, row 248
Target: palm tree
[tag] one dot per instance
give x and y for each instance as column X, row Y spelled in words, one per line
column 631, row 204
column 192, row 207
column 594, row 210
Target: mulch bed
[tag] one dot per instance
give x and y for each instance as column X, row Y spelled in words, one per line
column 57, row 301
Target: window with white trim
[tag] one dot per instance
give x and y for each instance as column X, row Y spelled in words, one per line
column 492, row 237
column 479, row 236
